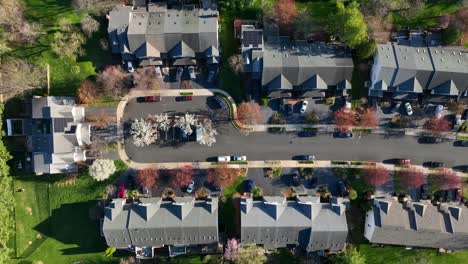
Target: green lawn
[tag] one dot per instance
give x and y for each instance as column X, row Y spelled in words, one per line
column 71, row 234
column 428, row 16
column 399, row 255
column 66, row 74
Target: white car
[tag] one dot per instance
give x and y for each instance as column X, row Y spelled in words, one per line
column 130, row 68
column 224, row 158
column 347, row 107
column 239, row 158
column 158, row 72
column 191, row 71
column 409, row 109
column 304, row 106
column 190, row 187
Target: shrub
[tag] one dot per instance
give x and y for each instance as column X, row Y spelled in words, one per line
column 265, row 101
column 101, row 169
column 352, row 195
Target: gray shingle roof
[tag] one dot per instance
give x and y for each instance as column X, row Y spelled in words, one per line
column 193, row 29
column 276, row 222
column 298, row 62
column 418, row 224
column 154, row 222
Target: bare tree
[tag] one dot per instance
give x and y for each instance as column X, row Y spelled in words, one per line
column 13, row 21
column 185, row 123
column 89, row 25
column 18, row 76
column 98, row 6
column 236, row 63
column 208, row 133
column 113, row 81
column 143, row 133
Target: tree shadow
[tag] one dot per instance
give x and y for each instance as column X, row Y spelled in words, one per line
column 71, row 225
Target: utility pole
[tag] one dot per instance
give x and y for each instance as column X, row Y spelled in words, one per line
column 48, row 79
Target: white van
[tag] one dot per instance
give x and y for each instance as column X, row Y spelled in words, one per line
column 224, row 158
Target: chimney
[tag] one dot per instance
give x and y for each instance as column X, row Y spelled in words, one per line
column 148, row 207
column 246, row 205
column 455, row 212
column 309, row 206
column 274, row 206
column 114, row 208
column 338, row 208
column 183, row 206
column 211, row 204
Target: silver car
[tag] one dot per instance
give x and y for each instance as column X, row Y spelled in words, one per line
column 409, row 109
column 191, row 70
column 190, row 187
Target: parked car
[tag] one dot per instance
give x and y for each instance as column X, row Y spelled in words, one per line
column 303, row 107
column 248, row 185
column 409, row 109
column 306, row 157
column 465, row 115
column 239, row 158
column 463, row 143
column 403, row 162
column 462, row 168
column 307, row 134
column 343, row 134
column 130, row 68
column 148, row 99
column 190, row 186
column 183, row 98
column 342, row 189
column 121, row 193
column 211, row 75
column 179, row 72
column 224, row 158
column 191, row 71
column 430, row 140
column 396, row 107
column 157, row 69
column 434, row 164
column 438, row 111
column 347, row 107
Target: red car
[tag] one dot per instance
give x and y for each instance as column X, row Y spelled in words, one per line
column 149, row 99
column 183, row 98
column 121, row 193
column 403, row 162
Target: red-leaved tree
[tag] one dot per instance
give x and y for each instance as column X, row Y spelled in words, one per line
column 249, row 113
column 147, row 178
column 411, row 177
column 345, row 118
column 368, row 118
column 376, row 175
column 437, row 125
column 222, row 176
column 286, row 12
column 180, row 178
column 445, row 179
column 86, row 93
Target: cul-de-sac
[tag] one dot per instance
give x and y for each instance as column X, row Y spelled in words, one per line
column 234, row 131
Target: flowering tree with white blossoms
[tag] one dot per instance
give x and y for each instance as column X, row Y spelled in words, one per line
column 101, row 169
column 208, row 133
column 185, row 123
column 162, row 121
column 143, row 132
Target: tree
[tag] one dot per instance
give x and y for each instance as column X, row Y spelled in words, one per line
column 89, row 25
column 304, row 24
column 19, row 76
column 145, row 79
column 376, row 175
column 349, row 256
column 4, row 48
column 411, row 178
column 349, row 24
column 113, row 81
column 249, row 113
column 98, row 7
column 13, row 21
column 368, row 118
column 437, row 125
column 345, row 118
column 128, row 260
column 456, row 107
column 268, row 11
column 185, row 123
column 278, row 118
column 444, row 21
column 180, row 178
column 352, row 195
column 161, row 121
column 143, row 132
column 366, row 49
column 222, row 176
column 236, row 63
column 207, row 133
column 452, row 36
column 251, row 254
column 444, row 180
column 230, row 252
column 101, row 169
column 86, row 93
column 286, row 12
column 147, row 178
column 102, row 119
column 68, row 42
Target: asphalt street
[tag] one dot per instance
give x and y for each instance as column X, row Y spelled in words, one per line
column 283, row 146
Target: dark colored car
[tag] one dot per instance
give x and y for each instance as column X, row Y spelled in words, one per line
column 431, row 140
column 183, row 98
column 149, row 99
column 305, row 157
column 402, row 161
column 248, row 185
column 342, row 189
column 343, row 134
column 434, row 164
column 461, row 168
column 307, row 134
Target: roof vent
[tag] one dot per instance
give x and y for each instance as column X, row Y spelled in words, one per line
column 168, row 15
column 424, row 51
column 441, row 59
column 453, row 52
column 417, row 50
column 459, row 61
column 436, row 52
column 422, row 58
column 175, row 23
column 139, row 23
column 404, row 57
